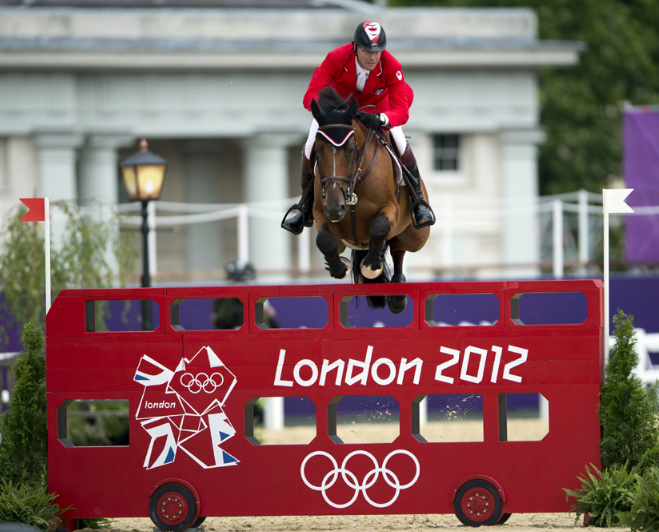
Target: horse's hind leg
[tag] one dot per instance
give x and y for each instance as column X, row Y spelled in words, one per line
column 398, row 302
column 329, row 247
column 373, row 263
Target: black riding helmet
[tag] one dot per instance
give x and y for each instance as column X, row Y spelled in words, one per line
column 370, row 36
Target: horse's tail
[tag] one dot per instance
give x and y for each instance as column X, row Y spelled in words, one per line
column 357, row 277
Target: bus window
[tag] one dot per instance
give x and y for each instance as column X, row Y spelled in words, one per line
column 549, row 308
column 292, row 312
column 448, row 418
column 357, row 312
column 120, row 315
column 462, row 309
column 364, row 419
column 523, row 417
column 297, row 428
column 207, row 314
column 93, row 422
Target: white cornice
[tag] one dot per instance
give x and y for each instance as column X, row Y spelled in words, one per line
column 533, row 58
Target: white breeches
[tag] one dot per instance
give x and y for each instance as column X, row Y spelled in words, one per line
column 396, row 134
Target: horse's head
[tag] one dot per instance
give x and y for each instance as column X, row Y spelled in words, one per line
column 336, row 150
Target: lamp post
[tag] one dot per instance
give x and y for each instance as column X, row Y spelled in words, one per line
column 143, row 174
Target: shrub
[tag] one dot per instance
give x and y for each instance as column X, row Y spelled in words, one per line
column 644, row 513
column 29, row 504
column 604, row 495
column 627, row 410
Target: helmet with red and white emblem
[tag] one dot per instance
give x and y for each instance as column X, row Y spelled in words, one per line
column 370, row 36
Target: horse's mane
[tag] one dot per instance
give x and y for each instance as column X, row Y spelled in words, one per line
column 329, row 100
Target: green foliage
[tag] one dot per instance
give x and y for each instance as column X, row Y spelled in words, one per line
column 644, row 513
column 582, row 105
column 92, row 253
column 95, row 523
column 23, row 453
column 29, row 504
column 604, row 495
column 627, row 411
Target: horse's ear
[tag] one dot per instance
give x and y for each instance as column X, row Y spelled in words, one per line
column 352, row 110
column 316, row 111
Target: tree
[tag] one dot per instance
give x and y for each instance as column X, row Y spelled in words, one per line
column 23, row 453
column 93, row 254
column 582, row 106
column 630, row 434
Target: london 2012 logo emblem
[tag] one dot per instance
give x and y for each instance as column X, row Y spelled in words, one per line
column 182, row 409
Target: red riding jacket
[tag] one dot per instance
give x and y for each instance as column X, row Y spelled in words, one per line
column 385, row 87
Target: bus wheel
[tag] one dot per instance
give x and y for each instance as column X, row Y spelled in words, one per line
column 173, row 508
column 504, row 518
column 478, row 503
column 200, row 521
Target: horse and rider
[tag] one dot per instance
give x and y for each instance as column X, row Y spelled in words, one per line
column 366, row 71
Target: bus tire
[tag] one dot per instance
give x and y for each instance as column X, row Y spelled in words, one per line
column 504, row 518
column 173, row 508
column 478, row 503
column 200, row 521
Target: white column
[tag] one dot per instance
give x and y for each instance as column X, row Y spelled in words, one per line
column 203, row 172
column 266, row 180
column 57, row 165
column 57, row 154
column 99, row 181
column 99, row 174
column 519, row 189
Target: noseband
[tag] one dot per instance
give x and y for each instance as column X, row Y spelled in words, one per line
column 353, row 178
column 348, row 195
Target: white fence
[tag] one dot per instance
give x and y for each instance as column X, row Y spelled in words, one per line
column 570, row 229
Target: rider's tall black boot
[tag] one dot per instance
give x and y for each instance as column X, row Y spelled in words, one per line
column 423, row 214
column 303, row 217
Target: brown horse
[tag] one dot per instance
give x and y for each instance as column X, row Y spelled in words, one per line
column 358, row 200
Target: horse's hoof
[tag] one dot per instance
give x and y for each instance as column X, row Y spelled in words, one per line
column 398, row 278
column 341, row 269
column 368, row 272
column 397, row 304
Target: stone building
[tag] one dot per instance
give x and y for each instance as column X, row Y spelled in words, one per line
column 216, row 87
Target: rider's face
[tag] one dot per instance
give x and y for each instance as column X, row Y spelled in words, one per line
column 366, row 59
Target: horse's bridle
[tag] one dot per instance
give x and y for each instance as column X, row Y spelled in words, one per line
column 356, row 174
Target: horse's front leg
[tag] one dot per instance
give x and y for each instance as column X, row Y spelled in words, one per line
column 397, row 255
column 329, row 247
column 373, row 264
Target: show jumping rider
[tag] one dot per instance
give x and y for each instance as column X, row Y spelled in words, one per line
column 365, row 70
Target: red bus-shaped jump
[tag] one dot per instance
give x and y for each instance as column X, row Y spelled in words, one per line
column 192, row 449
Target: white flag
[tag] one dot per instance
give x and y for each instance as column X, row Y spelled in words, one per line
column 614, row 200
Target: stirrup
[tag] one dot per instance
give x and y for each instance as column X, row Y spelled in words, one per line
column 413, row 208
column 295, row 207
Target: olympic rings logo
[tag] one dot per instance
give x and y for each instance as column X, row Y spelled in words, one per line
column 201, row 381
column 368, row 481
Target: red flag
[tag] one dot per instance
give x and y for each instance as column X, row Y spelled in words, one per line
column 36, row 210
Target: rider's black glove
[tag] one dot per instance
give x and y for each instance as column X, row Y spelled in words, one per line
column 372, row 121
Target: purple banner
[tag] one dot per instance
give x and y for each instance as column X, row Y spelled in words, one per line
column 641, row 170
